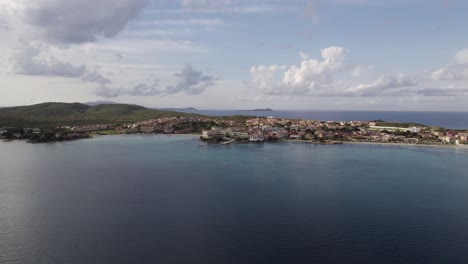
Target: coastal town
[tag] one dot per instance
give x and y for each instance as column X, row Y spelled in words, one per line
column 255, row 129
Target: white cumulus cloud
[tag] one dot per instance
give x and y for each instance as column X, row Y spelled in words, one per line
column 310, row 77
column 381, row 85
column 455, row 71
column 462, row 56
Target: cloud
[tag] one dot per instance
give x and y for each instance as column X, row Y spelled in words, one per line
column 382, row 84
column 312, row 11
column 143, row 89
column 455, row 71
column 4, row 25
column 140, row 89
column 30, row 60
column 304, row 56
column 65, row 21
column 308, row 78
column 451, row 72
column 94, row 77
column 191, row 81
column 184, row 22
column 447, row 91
column 118, row 55
column 207, row 4
column 107, row 92
column 333, row 77
column 462, row 56
column 232, row 7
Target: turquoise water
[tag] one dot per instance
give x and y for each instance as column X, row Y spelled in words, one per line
column 173, row 199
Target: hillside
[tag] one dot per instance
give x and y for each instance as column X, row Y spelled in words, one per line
column 54, row 114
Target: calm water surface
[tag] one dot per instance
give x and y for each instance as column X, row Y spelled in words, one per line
column 172, row 199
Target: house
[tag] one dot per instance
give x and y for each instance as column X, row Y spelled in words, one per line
column 294, row 127
column 414, row 129
column 463, row 136
column 36, row 131
column 256, row 137
column 412, row 140
column 240, row 134
column 445, row 139
column 147, row 129
column 451, row 133
column 159, row 128
column 213, row 133
column 425, row 134
column 168, row 129
column 294, row 136
column 130, row 130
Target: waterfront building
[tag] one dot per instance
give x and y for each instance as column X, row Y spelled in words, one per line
column 213, row 133
column 256, row 137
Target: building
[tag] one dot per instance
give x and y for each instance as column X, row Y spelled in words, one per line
column 147, row 129
column 213, row 133
column 414, row 129
column 256, row 137
column 463, row 136
column 240, row 134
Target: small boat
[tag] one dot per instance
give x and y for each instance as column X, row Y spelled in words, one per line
column 227, row 142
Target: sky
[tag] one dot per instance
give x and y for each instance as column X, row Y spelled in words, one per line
column 409, row 55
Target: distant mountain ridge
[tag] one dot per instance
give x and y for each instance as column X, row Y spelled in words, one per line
column 99, row 103
column 54, row 114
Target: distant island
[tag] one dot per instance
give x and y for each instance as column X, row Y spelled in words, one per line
column 50, row 122
column 262, row 110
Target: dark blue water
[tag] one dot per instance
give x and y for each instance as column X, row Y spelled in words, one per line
column 172, row 199
column 452, row 120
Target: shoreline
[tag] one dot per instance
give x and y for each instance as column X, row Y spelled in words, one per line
column 409, row 145
column 378, row 143
column 284, row 140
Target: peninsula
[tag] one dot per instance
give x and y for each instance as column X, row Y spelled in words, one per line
column 50, row 122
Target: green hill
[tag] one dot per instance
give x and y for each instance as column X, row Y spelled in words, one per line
column 54, row 114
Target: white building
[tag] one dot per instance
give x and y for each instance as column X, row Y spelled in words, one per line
column 257, row 137
column 414, row 129
column 214, row 132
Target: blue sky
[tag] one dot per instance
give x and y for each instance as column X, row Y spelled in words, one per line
column 237, row 54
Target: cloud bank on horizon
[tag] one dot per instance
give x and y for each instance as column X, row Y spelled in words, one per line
column 228, row 54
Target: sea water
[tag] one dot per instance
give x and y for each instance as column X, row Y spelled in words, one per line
column 174, row 199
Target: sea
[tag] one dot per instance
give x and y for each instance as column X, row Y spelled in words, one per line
column 450, row 120
column 173, row 199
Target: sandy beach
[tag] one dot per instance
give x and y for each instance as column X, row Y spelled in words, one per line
column 411, row 145
column 379, row 143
